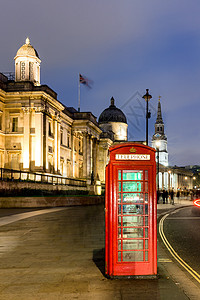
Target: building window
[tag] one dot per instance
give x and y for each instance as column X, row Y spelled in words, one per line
column 61, row 138
column 50, row 129
column 23, row 70
column 30, row 71
column 68, row 142
column 14, row 124
column 0, row 122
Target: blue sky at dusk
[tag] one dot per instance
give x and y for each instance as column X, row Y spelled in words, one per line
column 124, row 47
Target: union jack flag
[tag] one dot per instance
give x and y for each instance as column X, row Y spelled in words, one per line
column 85, row 81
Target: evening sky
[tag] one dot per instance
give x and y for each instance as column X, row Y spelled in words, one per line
column 124, row 47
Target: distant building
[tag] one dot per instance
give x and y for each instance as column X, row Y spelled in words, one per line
column 176, row 178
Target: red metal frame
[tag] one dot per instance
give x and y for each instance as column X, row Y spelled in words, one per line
column 145, row 260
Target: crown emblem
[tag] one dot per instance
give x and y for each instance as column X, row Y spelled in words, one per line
column 132, row 150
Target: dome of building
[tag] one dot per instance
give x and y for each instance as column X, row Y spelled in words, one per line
column 112, row 114
column 27, row 50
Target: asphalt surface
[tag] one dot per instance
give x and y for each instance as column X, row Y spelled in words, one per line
column 182, row 231
column 60, row 255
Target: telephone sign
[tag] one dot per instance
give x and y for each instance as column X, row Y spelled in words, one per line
column 131, row 217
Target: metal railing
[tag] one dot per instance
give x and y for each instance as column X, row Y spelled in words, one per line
column 18, row 175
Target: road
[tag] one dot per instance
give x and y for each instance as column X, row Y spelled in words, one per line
column 58, row 255
column 182, row 230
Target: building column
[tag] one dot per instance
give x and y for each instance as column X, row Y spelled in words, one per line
column 38, row 139
column 85, row 149
column 45, row 142
column 72, row 171
column 89, row 156
column 26, row 141
column 55, row 153
column 94, row 157
column 58, row 146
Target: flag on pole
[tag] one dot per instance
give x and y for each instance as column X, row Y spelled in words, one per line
column 84, row 80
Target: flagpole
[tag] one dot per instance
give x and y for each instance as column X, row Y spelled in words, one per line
column 79, row 93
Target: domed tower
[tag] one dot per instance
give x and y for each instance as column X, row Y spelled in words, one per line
column 159, row 139
column 112, row 119
column 27, row 64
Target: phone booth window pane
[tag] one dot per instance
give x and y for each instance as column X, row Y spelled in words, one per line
column 133, row 197
column 132, row 186
column 132, row 221
column 133, row 256
column 119, row 256
column 146, row 255
column 132, row 232
column 119, row 245
column 132, row 244
column 133, row 209
column 146, row 186
column 119, row 197
column 146, row 197
column 119, row 232
column 132, row 175
column 146, row 244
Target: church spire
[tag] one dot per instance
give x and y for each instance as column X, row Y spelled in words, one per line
column 159, row 119
column 159, row 124
column 160, row 136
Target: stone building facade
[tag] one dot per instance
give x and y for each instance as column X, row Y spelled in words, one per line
column 40, row 134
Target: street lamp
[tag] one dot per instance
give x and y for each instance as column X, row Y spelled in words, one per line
column 147, row 97
column 157, row 149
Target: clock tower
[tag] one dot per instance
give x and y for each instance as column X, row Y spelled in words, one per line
column 159, row 139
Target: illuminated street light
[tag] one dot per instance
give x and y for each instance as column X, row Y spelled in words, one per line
column 147, row 97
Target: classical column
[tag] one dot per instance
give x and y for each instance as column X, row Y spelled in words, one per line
column 58, row 146
column 55, row 153
column 45, row 142
column 85, row 154
column 26, row 142
column 89, row 156
column 72, row 156
column 94, row 157
column 38, row 139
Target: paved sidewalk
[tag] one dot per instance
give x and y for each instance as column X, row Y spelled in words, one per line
column 182, row 201
column 60, row 255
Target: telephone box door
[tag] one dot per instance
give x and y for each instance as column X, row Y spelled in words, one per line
column 131, row 209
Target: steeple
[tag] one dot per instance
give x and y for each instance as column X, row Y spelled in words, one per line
column 160, row 136
column 159, row 125
column 159, row 119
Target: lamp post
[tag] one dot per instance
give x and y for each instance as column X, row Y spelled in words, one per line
column 147, row 97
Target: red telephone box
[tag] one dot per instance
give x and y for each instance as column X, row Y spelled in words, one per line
column 131, row 211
